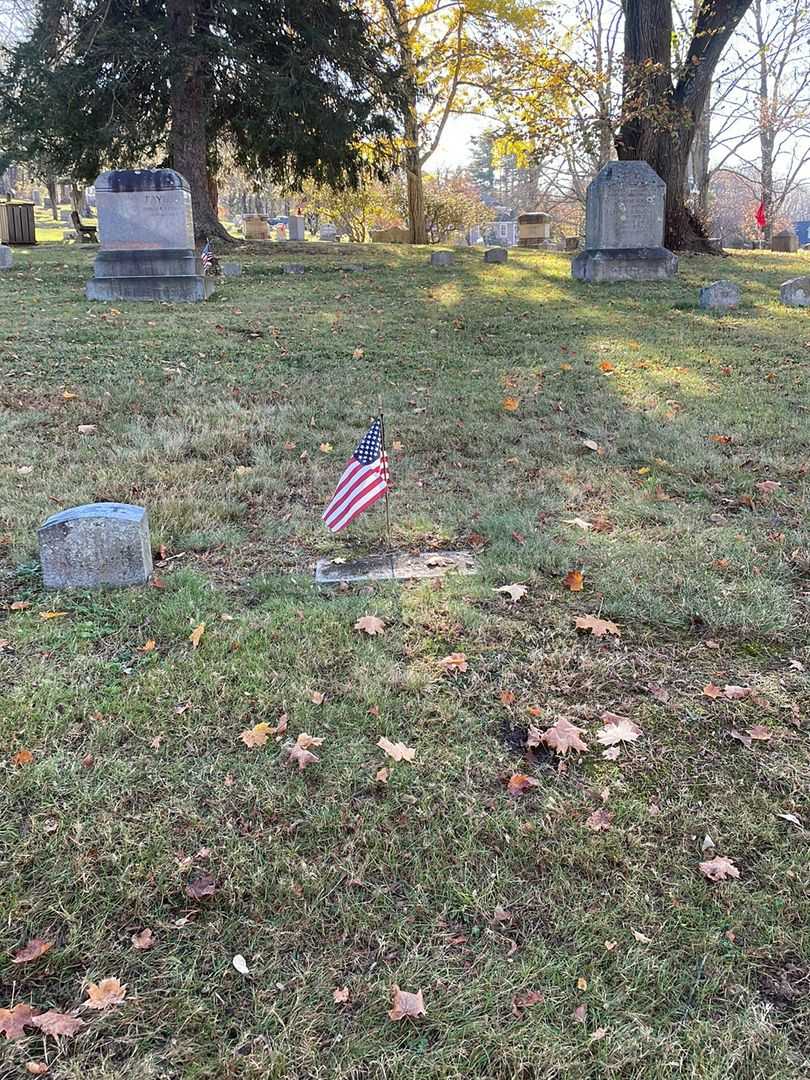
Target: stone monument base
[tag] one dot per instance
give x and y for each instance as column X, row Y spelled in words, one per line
column 149, row 275
column 625, row 264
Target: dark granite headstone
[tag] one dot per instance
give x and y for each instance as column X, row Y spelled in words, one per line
column 441, row 258
column 495, row 255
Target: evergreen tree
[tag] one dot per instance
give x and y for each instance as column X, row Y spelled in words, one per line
column 293, row 88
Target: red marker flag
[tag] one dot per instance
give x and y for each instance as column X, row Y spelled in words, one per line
column 760, row 216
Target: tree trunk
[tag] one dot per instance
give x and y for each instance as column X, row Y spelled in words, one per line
column 77, row 198
column 53, row 195
column 416, row 196
column 658, row 119
column 767, row 136
column 188, row 95
column 700, row 160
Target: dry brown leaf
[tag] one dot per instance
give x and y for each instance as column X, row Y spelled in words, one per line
column 396, row 750
column 515, row 592
column 573, row 580
column 599, row 820
column 201, row 886
column 712, row 691
column 454, row 663
column 20, row 605
column 737, row 693
column 591, row 444
column 149, row 646
column 341, row 995
column 581, row 1014
column 617, row 729
column 105, row 994
column 326, row 448
column 501, row 915
column 767, row 487
column 35, row 948
column 382, row 775
column 143, row 940
column 564, row 736
column 525, row 1001
column 316, row 697
column 257, row 735
column 612, row 753
column 86, row 429
column 22, row 757
column 301, row 752
column 370, row 624
column 510, row 404
column 45, row 615
column 519, row 783
column 405, row 1004
column 641, row 938
column 358, row 353
column 507, row 698
column 598, row 627
column 196, row 635
column 719, row 868
column 534, row 736
column 58, row 1023
column 14, row 1021
column 36, row 1068
column 760, row 733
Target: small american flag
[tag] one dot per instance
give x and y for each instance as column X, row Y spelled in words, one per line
column 207, row 258
column 365, row 479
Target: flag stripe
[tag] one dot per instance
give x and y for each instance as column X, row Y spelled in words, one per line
column 346, row 489
column 369, row 501
column 365, row 498
column 346, row 505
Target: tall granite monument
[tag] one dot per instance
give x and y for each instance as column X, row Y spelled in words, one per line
column 147, row 239
column 624, row 226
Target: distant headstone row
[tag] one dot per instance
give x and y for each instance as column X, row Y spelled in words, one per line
column 725, row 294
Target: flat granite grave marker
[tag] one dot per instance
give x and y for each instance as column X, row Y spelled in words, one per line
column 231, row 269
column 6, row 258
column 624, row 226
column 398, row 567
column 720, row 294
column 496, row 255
column 88, row 547
column 147, row 239
column 796, row 292
column 293, row 268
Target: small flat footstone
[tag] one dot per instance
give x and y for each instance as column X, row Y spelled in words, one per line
column 401, row 566
column 293, row 268
column 231, row 269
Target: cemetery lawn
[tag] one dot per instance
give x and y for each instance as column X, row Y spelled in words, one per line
column 617, row 430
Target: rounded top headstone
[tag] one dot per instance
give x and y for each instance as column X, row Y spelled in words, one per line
column 127, row 180
column 629, row 172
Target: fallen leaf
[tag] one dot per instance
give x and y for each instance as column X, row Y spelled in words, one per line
column 36, row 1068
column 35, row 948
column 52, row 614
column 514, row 592
column 580, row 523
column 612, row 753
column 760, row 733
column 196, row 635
column 712, row 691
column 200, row 886
column 564, row 736
column 767, row 487
column 582, row 984
column 22, row 757
column 20, row 605
column 398, row 751
column 57, row 1023
column 143, row 940
column 510, row 404
column 326, row 448
column 358, row 353
column 791, row 818
column 519, row 783
column 599, row 820
column 581, row 1013
column 454, row 663
column 301, row 753
column 737, row 693
column 340, row 995
column 316, row 697
column 501, row 915
column 573, row 580
column 741, row 736
column 382, row 775
column 370, row 624
column 86, row 429
column 598, row 627
column 404, row 1004
column 617, row 729
column 240, row 964
column 257, row 735
column 611, row 945
column 719, row 868
column 148, row 646
column 507, row 698
column 724, row 440
column 14, row 1021
column 534, row 736
column 591, row 444
column 105, row 994
column 641, row 938
column 525, row 1001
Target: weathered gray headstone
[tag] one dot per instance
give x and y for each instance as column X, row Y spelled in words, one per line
column 787, row 240
column 796, row 292
column 720, row 294
column 495, row 255
column 624, row 226
column 231, row 269
column 36, row 197
column 88, row 547
column 295, row 227
column 328, row 231
column 571, row 243
column 534, row 230
column 6, row 258
column 293, row 268
column 441, row 258
column 64, row 215
column 147, row 239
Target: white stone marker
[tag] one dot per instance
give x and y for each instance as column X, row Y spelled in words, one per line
column 88, row 547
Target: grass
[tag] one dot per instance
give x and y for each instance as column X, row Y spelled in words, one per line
column 329, row 878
